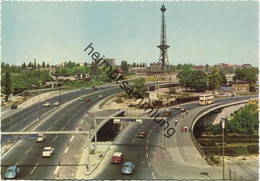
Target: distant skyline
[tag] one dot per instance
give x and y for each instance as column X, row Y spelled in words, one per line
column 197, row 32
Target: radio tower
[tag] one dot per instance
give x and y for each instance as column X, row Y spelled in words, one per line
column 163, row 59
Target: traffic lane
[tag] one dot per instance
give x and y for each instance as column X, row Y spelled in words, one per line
column 23, row 114
column 58, row 139
column 135, row 154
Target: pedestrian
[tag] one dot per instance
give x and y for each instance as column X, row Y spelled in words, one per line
column 176, row 121
column 182, row 129
column 187, row 112
column 185, row 128
column 182, row 115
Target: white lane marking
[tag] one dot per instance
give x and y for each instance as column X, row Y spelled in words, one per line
column 63, row 128
column 69, row 120
column 133, row 140
column 48, row 128
column 28, row 151
column 151, row 131
column 146, row 147
column 149, row 164
column 81, row 121
column 73, row 115
column 34, row 168
column 72, row 138
column 62, row 114
column 146, row 155
column 55, row 138
column 56, row 121
column 149, row 135
column 147, row 141
column 154, row 127
column 153, row 175
column 135, row 135
column 66, row 150
column 56, row 170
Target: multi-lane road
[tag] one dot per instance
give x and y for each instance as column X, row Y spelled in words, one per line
column 151, row 158
column 149, row 154
column 27, row 154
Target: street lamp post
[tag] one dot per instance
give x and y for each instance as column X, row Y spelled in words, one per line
column 35, row 86
column 223, row 127
column 11, row 120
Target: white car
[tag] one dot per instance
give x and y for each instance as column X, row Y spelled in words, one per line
column 40, row 138
column 56, row 103
column 177, row 107
column 47, row 151
column 100, row 96
column 47, row 104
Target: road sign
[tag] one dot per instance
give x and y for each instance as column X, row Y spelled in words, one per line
column 20, row 137
column 132, row 121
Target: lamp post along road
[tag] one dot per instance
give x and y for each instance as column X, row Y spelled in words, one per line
column 11, row 121
column 223, row 146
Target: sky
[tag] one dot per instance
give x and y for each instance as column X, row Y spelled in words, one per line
column 197, row 32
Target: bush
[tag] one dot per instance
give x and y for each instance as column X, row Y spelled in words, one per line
column 241, row 151
column 118, row 100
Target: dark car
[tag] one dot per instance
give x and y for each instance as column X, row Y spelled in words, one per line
column 14, row 106
column 95, row 88
column 87, row 100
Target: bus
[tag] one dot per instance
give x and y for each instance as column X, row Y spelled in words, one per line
column 206, row 99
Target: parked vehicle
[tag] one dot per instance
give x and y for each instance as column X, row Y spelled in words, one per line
column 117, row 157
column 128, row 168
column 40, row 138
column 183, row 109
column 47, row 151
column 47, row 104
column 82, row 98
column 141, row 134
column 87, row 100
column 12, row 172
column 100, row 96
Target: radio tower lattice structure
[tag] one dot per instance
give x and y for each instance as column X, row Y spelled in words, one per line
column 163, row 59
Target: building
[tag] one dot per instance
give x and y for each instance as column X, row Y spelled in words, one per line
column 229, row 77
column 154, row 67
column 240, row 86
column 110, row 61
column 81, row 76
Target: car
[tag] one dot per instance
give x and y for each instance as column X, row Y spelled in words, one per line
column 177, row 107
column 56, row 103
column 12, row 172
column 183, row 109
column 141, row 134
column 167, row 112
column 117, row 157
column 47, row 104
column 82, row 98
column 47, row 151
column 40, row 138
column 95, row 88
column 128, row 168
column 100, row 96
column 14, row 106
column 87, row 100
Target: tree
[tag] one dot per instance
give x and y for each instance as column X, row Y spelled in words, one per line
column 48, row 65
column 93, row 67
column 43, row 64
column 139, row 86
column 24, row 66
column 134, row 64
column 8, row 89
column 215, row 79
column 223, row 76
column 34, row 64
column 247, row 74
column 124, row 66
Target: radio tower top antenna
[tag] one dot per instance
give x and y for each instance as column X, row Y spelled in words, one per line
column 163, row 59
